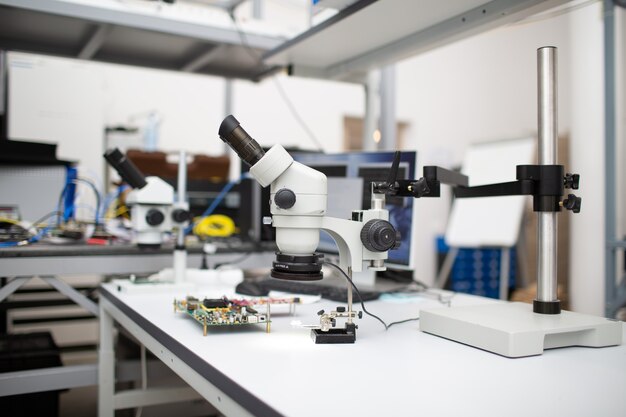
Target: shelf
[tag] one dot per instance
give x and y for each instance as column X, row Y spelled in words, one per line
column 182, row 37
column 372, row 33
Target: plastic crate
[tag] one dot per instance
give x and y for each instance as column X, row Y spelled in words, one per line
column 477, row 271
column 21, row 352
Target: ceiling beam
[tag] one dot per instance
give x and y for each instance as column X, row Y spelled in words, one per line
column 203, row 59
column 95, row 42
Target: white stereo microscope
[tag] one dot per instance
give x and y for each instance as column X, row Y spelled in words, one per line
column 298, row 206
column 153, row 208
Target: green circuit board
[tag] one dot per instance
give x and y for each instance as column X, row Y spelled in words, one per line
column 211, row 312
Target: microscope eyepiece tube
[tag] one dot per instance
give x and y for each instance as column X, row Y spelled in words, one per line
column 237, row 138
column 124, row 166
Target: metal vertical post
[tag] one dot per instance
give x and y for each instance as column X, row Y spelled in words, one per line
column 257, row 9
column 547, row 221
column 106, row 366
column 609, row 158
column 180, row 252
column 370, row 120
column 505, row 267
column 228, row 104
column 388, row 128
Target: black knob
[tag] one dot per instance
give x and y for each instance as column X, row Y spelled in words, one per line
column 360, row 314
column 154, row 217
column 285, row 198
column 319, row 313
column 398, row 240
column 378, row 235
column 571, row 181
column 341, row 309
column 572, row 203
column 180, row 215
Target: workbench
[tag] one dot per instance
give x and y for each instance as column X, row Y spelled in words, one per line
column 402, row 371
column 19, row 264
column 45, row 259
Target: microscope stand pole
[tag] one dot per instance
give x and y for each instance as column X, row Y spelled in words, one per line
column 521, row 329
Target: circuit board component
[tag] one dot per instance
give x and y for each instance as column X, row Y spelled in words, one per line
column 230, row 312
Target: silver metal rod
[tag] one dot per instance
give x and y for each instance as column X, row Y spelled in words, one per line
column 547, row 222
column 610, row 164
column 182, row 176
column 181, row 191
column 505, row 267
column 350, row 295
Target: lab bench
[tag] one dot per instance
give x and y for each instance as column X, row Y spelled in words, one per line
column 401, row 371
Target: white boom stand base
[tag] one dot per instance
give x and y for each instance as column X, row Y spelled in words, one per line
column 514, row 330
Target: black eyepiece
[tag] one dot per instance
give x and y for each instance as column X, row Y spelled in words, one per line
column 124, row 166
column 237, row 138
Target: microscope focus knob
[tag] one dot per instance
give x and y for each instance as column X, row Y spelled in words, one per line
column 285, row 198
column 378, row 235
column 154, row 217
column 181, row 215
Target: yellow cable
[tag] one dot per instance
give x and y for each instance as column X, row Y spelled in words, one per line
column 11, row 221
column 120, row 211
column 216, row 225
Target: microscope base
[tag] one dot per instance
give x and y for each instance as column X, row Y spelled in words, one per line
column 334, row 336
column 514, row 330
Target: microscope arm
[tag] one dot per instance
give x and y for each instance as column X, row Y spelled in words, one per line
column 427, row 186
column 546, row 183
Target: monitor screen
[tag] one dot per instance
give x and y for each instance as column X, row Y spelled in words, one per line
column 361, row 169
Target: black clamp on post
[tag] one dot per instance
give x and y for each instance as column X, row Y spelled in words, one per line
column 547, row 307
column 546, row 183
column 549, row 185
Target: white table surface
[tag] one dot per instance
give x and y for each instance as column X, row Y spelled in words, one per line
column 401, row 371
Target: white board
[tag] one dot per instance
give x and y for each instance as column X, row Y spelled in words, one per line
column 490, row 221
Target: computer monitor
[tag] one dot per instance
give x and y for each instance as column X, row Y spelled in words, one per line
column 359, row 169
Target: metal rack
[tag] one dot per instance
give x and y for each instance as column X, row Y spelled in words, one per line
column 370, row 34
column 134, row 34
column 615, row 291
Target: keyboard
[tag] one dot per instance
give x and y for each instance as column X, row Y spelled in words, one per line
column 329, row 292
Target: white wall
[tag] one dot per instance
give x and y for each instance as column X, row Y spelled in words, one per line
column 587, row 151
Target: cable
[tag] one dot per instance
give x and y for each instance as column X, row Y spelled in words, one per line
column 91, row 185
column 234, row 261
column 294, row 112
column 111, row 198
column 60, row 203
column 217, row 201
column 98, row 197
column 45, row 217
column 215, row 225
column 387, row 326
column 296, row 115
column 34, row 238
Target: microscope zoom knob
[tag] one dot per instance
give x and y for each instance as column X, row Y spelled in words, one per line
column 378, row 235
column 180, row 215
column 285, row 198
column 154, row 217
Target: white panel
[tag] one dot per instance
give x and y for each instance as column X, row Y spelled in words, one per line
column 59, row 101
column 490, row 221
